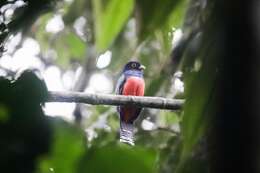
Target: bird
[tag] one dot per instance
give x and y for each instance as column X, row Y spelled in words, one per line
column 131, row 82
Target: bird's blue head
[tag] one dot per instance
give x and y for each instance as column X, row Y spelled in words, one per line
column 133, row 65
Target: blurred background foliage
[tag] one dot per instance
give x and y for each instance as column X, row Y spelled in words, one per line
column 82, row 45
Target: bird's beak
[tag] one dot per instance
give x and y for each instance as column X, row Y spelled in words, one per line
column 142, row 67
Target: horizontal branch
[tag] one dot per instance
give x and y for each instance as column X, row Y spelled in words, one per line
column 109, row 99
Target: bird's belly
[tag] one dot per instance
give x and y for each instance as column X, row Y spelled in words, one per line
column 134, row 86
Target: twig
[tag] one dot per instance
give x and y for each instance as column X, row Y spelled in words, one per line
column 168, row 129
column 109, row 99
column 82, row 82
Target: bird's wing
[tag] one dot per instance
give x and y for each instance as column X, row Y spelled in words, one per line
column 120, row 84
column 119, row 88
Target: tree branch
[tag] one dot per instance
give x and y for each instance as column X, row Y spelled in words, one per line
column 109, row 99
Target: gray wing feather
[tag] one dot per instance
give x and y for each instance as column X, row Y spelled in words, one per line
column 119, row 84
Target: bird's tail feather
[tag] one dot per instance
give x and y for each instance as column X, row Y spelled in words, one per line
column 127, row 133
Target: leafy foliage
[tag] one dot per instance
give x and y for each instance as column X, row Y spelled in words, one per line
column 150, row 19
column 140, row 29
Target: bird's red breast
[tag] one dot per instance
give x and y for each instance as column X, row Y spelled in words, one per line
column 133, row 86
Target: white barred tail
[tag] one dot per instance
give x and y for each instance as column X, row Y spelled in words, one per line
column 127, row 133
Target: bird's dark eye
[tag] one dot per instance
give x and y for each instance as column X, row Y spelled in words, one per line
column 134, row 65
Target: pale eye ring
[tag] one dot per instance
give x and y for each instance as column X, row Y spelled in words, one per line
column 134, row 65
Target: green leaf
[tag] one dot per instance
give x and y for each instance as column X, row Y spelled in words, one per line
column 177, row 15
column 41, row 35
column 110, row 18
column 154, row 85
column 118, row 159
column 76, row 44
column 74, row 10
column 152, row 15
column 164, row 33
column 169, row 118
column 67, row 148
column 4, row 113
column 69, row 47
column 199, row 105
